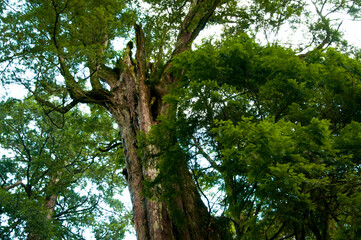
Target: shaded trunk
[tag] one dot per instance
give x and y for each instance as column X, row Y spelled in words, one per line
column 132, row 105
column 152, row 218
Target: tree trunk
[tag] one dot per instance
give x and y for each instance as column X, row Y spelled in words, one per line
column 36, row 233
column 135, row 103
column 151, row 218
column 43, row 232
column 132, row 105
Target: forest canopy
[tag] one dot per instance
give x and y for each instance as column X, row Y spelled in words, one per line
column 248, row 135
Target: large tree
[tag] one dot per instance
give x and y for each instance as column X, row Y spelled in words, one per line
column 62, row 51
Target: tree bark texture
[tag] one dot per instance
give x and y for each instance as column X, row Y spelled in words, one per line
column 135, row 103
column 132, row 108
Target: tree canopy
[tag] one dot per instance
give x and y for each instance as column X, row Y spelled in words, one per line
column 57, row 178
column 249, row 135
column 276, row 134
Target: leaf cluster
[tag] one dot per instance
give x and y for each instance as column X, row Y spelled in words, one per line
column 275, row 134
column 42, row 162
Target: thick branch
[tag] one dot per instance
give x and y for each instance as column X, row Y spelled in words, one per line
column 94, row 78
column 140, row 54
column 108, row 75
column 96, row 64
column 75, row 91
column 97, row 96
column 144, row 90
column 196, row 19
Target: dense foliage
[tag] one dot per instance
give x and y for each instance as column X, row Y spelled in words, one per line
column 55, row 180
column 278, row 136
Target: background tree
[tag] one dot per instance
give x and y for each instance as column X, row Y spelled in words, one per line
column 62, row 51
column 55, row 182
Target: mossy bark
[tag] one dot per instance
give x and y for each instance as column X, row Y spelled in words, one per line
column 152, row 219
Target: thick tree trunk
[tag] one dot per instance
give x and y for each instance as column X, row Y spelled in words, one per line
column 132, row 108
column 135, row 103
column 151, row 218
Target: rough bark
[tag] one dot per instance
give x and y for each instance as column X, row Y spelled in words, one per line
column 135, row 104
column 132, row 110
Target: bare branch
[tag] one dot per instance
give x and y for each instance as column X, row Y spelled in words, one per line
column 110, row 146
column 14, row 185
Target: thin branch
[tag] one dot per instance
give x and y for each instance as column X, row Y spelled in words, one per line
column 328, row 39
column 3, row 179
column 24, row 146
column 53, row 107
column 205, row 155
column 14, row 185
column 74, row 210
column 110, row 146
column 278, row 232
column 204, row 195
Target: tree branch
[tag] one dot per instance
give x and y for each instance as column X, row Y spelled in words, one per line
column 3, row 179
column 107, row 74
column 110, row 146
column 14, row 185
column 196, row 19
column 95, row 65
column 326, row 27
column 73, row 209
column 59, row 109
column 140, row 54
column 205, row 155
column 97, row 96
column 278, row 232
